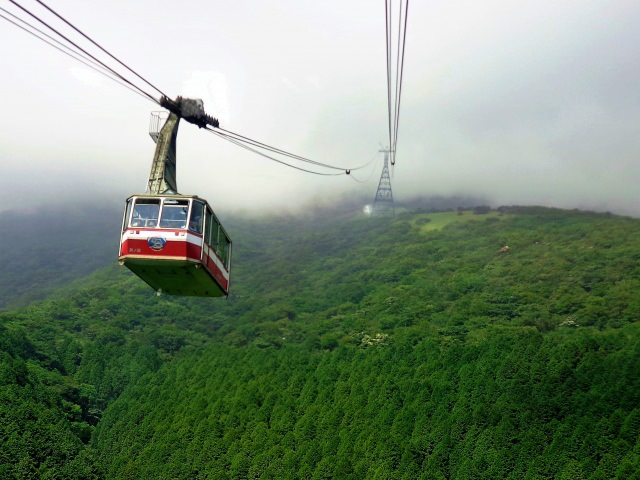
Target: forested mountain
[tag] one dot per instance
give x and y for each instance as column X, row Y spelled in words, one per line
column 42, row 250
column 486, row 344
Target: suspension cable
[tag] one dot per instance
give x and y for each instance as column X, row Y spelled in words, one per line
column 239, row 143
column 371, row 172
column 277, row 150
column 65, row 49
column 82, row 50
column 105, row 51
column 257, row 144
column 394, row 113
column 400, row 74
column 81, row 55
column 388, row 46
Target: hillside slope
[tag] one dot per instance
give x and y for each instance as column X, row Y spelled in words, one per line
column 350, row 348
column 417, row 349
column 42, row 250
column 511, row 403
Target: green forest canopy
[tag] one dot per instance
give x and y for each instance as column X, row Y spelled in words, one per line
column 351, row 347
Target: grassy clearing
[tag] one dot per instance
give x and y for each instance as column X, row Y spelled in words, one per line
column 437, row 221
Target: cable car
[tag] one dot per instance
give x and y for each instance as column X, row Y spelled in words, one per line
column 174, row 242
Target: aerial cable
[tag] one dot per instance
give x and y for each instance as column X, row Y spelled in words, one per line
column 67, row 50
column 105, row 51
column 258, row 144
column 396, row 99
column 394, row 113
column 277, row 150
column 364, row 165
column 388, row 46
column 246, row 147
column 371, row 172
column 399, row 76
column 85, row 52
column 242, row 144
column 88, row 59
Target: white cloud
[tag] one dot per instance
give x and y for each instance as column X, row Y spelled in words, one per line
column 87, row 76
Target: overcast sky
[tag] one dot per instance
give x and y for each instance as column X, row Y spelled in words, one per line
column 522, row 102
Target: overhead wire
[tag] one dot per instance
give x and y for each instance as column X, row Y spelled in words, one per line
column 80, row 54
column 64, row 49
column 371, row 172
column 100, row 47
column 388, row 46
column 400, row 70
column 257, row 144
column 277, row 150
column 397, row 75
column 249, row 143
column 244, row 145
column 84, row 51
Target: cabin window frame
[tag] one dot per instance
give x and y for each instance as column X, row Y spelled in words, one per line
column 128, row 209
column 214, row 232
column 216, row 237
column 173, row 222
column 195, row 225
column 147, row 221
column 224, row 248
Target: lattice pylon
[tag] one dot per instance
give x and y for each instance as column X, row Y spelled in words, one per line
column 383, row 203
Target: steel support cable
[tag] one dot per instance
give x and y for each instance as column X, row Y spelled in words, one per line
column 395, row 88
column 84, row 51
column 394, row 113
column 67, row 50
column 237, row 139
column 370, row 173
column 257, row 144
column 101, row 48
column 399, row 73
column 388, row 50
column 108, row 73
column 248, row 143
column 239, row 143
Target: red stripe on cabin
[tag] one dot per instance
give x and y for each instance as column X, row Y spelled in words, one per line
column 177, row 247
column 173, row 248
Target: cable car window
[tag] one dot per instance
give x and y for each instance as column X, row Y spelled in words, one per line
column 145, row 212
column 127, row 214
column 223, row 249
column 174, row 214
column 196, row 218
column 214, row 226
column 207, row 223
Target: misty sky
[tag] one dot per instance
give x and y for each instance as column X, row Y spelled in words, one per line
column 519, row 102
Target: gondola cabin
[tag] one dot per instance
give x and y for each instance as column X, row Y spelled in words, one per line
column 176, row 245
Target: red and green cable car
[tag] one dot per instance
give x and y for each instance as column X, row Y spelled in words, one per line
column 174, row 242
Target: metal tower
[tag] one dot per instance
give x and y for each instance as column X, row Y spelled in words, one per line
column 383, row 203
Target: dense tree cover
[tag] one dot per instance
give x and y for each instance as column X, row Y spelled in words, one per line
column 511, row 403
column 434, row 345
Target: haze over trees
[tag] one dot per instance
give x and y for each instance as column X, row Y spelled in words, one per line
column 471, row 344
